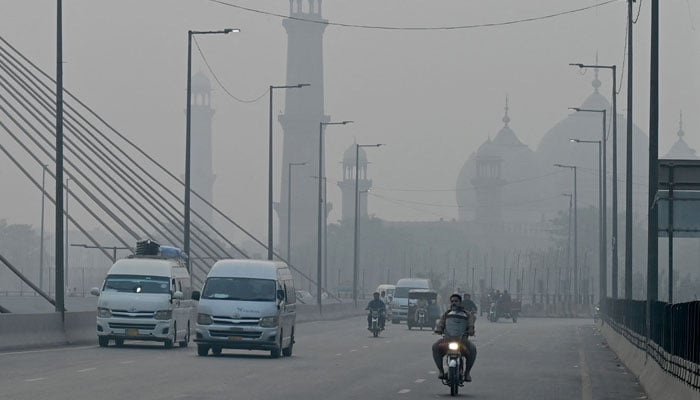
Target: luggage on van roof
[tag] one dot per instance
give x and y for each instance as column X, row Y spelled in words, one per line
column 150, row 248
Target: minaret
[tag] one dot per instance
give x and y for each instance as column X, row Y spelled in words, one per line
column 202, row 169
column 347, row 185
column 304, row 110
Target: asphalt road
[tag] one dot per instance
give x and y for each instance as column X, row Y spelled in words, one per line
column 533, row 359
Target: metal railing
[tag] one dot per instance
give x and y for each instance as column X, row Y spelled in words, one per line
column 672, row 337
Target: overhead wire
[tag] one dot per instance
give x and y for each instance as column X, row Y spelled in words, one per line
column 221, row 85
column 426, row 28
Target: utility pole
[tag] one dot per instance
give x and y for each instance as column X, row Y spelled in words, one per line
column 629, row 211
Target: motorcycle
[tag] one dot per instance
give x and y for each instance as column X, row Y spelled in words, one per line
column 374, row 324
column 455, row 367
column 420, row 317
column 596, row 313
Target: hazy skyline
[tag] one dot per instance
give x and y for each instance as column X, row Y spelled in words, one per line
column 432, row 96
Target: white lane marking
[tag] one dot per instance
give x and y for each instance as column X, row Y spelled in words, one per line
column 403, row 391
column 86, row 369
column 387, row 341
column 365, row 347
column 432, row 372
column 339, row 354
column 585, row 373
column 353, row 350
column 420, row 380
column 47, row 350
column 34, row 379
column 127, row 362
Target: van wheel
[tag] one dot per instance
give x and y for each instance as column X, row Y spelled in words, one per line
column 216, row 350
column 275, row 353
column 119, row 342
column 288, row 351
column 103, row 341
column 202, row 350
column 168, row 343
column 184, row 343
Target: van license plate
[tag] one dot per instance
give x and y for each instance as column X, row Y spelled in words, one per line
column 132, row 332
column 234, row 338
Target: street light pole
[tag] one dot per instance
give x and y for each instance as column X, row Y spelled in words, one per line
column 568, row 242
column 188, row 137
column 613, row 69
column 113, row 248
column 41, row 245
column 269, row 172
column 319, row 258
column 576, row 283
column 601, row 218
column 289, row 208
column 65, row 273
column 356, row 241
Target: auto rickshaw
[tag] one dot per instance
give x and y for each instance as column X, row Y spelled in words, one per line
column 423, row 309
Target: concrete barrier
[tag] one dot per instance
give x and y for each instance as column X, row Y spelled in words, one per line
column 23, row 331
column 31, row 330
column 658, row 384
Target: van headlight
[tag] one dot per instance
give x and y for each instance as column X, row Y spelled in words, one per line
column 163, row 314
column 453, row 346
column 204, row 319
column 104, row 312
column 268, row 322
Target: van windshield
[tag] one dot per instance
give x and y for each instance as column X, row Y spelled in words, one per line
column 246, row 289
column 137, row 284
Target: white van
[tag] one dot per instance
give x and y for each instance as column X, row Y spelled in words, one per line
column 246, row 304
column 399, row 305
column 143, row 298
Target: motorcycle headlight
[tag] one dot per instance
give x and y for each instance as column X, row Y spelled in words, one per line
column 453, row 346
column 204, row 319
column 163, row 314
column 104, row 312
column 268, row 322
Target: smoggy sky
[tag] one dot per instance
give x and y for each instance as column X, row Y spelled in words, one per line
column 433, row 96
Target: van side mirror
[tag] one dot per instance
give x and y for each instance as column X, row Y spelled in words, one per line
column 195, row 295
column 280, row 294
column 95, row 291
column 178, row 295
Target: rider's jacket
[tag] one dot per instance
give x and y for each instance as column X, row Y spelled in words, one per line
column 456, row 323
column 376, row 305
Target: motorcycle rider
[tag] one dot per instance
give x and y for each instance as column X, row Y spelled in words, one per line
column 468, row 349
column 376, row 304
column 468, row 304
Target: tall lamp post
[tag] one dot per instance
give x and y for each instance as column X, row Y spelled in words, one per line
column 269, row 172
column 65, row 262
column 576, row 284
column 41, row 245
column 613, row 69
column 603, row 271
column 319, row 258
column 356, row 241
column 289, row 208
column 188, row 138
column 568, row 250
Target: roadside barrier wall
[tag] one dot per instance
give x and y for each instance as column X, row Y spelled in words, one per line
column 659, row 384
column 23, row 331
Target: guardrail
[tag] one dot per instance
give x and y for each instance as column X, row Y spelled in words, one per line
column 22, row 331
column 672, row 338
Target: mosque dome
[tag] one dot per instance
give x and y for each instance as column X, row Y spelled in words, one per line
column 514, row 158
column 681, row 150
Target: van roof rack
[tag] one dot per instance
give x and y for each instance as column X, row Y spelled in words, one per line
column 150, row 249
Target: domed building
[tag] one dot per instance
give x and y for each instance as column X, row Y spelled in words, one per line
column 680, row 149
column 490, row 187
column 556, row 147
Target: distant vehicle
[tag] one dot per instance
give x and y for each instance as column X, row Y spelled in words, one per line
column 246, row 304
column 304, row 297
column 399, row 305
column 143, row 298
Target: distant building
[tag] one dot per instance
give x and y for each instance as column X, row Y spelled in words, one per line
column 680, row 149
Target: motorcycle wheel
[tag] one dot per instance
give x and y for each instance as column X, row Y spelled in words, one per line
column 454, row 381
column 375, row 332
